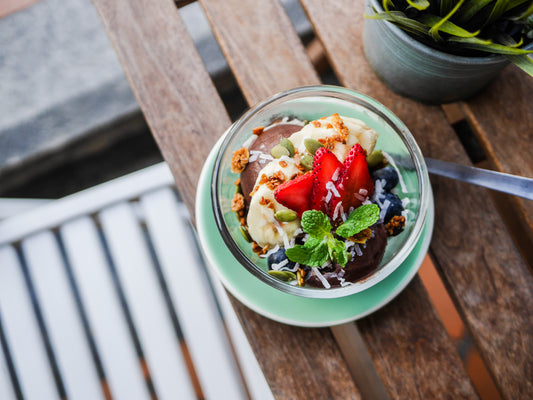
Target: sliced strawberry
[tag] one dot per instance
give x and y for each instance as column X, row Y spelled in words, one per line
column 325, row 163
column 353, row 181
column 295, row 194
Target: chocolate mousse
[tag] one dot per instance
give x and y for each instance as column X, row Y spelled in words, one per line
column 336, row 185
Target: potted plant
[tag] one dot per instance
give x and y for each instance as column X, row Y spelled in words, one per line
column 439, row 51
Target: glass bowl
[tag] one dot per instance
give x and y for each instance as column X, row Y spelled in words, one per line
column 310, row 103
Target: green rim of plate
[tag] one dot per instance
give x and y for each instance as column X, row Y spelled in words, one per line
column 287, row 308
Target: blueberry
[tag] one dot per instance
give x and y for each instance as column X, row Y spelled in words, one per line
column 395, row 205
column 387, row 174
column 278, row 257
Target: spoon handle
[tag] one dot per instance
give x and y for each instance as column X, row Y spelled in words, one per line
column 507, row 183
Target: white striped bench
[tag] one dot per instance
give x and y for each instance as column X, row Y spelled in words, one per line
column 104, row 294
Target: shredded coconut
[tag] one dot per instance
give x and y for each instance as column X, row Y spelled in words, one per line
column 321, row 277
column 358, row 250
column 363, row 192
column 336, row 210
column 280, row 265
column 271, row 251
column 405, row 202
column 254, row 155
column 329, row 196
column 359, row 197
column 384, row 209
column 391, row 162
column 336, row 174
column 283, row 235
column 331, row 186
column 264, row 156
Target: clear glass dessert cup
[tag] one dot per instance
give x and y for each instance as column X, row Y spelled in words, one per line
column 310, row 103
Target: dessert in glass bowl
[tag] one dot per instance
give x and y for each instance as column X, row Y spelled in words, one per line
column 328, row 191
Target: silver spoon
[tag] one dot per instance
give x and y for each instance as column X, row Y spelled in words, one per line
column 507, row 183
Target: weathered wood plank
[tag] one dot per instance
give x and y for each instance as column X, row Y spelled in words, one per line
column 186, row 116
column 236, row 46
column 261, row 46
column 502, row 118
column 173, row 88
column 482, row 269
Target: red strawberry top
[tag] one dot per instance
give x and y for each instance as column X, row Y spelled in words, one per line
column 331, row 186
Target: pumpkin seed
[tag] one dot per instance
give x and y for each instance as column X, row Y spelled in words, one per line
column 285, row 215
column 244, row 233
column 288, row 145
column 279, row 151
column 374, row 159
column 307, row 162
column 312, row 145
column 285, row 276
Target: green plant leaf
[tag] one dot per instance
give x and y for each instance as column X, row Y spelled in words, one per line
column 523, row 62
column 448, row 27
column 337, row 251
column 501, row 7
column 524, row 15
column 313, row 252
column 471, row 8
column 419, row 4
column 401, row 20
column 488, row 46
column 434, row 31
column 316, row 224
column 360, row 218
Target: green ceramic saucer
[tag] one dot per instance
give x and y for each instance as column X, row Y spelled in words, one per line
column 284, row 307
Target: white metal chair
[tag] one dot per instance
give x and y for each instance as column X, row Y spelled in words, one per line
column 103, row 294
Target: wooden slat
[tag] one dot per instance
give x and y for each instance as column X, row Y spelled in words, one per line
column 184, row 113
column 22, row 331
column 104, row 312
column 61, row 318
column 192, row 297
column 255, row 380
column 261, row 45
column 144, row 297
column 424, row 315
column 170, row 82
column 482, row 269
column 502, row 117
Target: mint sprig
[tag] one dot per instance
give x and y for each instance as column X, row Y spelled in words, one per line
column 359, row 219
column 321, row 244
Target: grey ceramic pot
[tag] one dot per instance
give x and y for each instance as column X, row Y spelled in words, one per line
column 415, row 70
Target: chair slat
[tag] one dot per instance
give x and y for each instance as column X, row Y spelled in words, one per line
column 254, row 377
column 148, row 308
column 6, row 387
column 104, row 312
column 192, row 297
column 22, row 331
column 61, row 317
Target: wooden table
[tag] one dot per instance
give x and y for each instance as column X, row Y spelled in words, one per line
column 482, row 244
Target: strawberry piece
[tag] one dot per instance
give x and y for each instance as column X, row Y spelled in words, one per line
column 325, row 163
column 295, row 194
column 353, row 178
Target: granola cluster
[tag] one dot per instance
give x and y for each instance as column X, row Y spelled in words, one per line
column 239, row 160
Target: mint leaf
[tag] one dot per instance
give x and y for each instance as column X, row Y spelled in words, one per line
column 314, row 252
column 359, row 219
column 337, row 251
column 316, row 224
